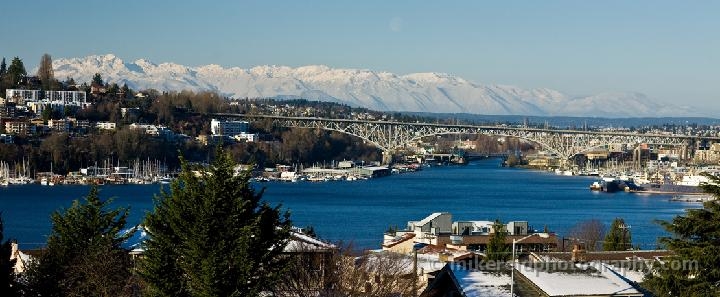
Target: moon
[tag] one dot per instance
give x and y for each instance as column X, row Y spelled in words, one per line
column 396, row 24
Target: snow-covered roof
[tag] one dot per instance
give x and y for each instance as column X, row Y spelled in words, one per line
column 430, row 218
column 404, row 263
column 476, row 283
column 593, row 279
column 399, row 239
column 135, row 242
column 300, row 242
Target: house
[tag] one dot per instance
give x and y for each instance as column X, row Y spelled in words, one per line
column 96, row 89
column 578, row 279
column 439, row 229
column 548, row 275
column 153, row 130
column 458, row 281
column 105, row 125
column 247, row 137
column 129, row 111
column 22, row 258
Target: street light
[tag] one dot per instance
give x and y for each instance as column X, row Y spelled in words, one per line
column 512, row 268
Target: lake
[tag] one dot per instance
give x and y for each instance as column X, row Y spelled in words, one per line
column 359, row 211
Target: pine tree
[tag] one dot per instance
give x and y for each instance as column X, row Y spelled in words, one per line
column 16, row 71
column 212, row 235
column 8, row 284
column 83, row 255
column 497, row 250
column 97, row 79
column 694, row 269
column 126, row 91
column 3, row 67
column 45, row 72
column 619, row 237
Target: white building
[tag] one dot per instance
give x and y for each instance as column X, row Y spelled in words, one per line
column 153, row 129
column 61, row 125
column 78, row 98
column 248, row 137
column 25, row 95
column 228, row 128
column 105, row 125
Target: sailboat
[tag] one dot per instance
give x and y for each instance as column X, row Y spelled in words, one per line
column 48, row 180
column 4, row 174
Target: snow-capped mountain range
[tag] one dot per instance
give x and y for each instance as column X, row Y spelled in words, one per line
column 417, row 92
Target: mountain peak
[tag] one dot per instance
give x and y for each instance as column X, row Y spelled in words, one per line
column 384, row 91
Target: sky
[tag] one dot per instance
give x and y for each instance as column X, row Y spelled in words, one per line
column 668, row 50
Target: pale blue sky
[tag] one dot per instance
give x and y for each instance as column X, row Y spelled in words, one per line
column 669, row 50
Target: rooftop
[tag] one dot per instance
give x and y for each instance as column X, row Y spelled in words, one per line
column 430, row 218
column 571, row 279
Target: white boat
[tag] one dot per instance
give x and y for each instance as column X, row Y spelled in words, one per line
column 693, row 180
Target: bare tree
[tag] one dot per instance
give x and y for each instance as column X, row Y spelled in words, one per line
column 589, row 232
column 310, row 271
column 344, row 274
column 380, row 274
column 45, row 72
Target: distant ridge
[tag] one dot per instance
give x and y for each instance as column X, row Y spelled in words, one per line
column 383, row 91
column 570, row 122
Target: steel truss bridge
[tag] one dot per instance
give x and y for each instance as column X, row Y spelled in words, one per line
column 393, row 136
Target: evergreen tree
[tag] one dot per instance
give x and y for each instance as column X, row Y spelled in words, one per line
column 3, row 67
column 46, row 113
column 212, row 235
column 16, row 71
column 113, row 89
column 8, row 284
column 45, row 72
column 126, row 91
column 97, row 79
column 497, row 250
column 83, row 255
column 619, row 237
column 694, row 268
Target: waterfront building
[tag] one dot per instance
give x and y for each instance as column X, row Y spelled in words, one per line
column 438, row 229
column 228, row 128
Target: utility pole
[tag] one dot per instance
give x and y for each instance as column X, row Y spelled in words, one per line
column 415, row 276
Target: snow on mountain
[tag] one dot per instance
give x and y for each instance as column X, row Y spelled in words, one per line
column 417, row 92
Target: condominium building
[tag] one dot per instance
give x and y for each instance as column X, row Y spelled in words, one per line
column 228, row 128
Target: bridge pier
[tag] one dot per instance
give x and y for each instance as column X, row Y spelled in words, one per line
column 387, row 157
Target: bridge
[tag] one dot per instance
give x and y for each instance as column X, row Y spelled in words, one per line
column 390, row 136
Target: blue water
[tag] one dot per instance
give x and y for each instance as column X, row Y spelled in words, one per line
column 360, row 211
